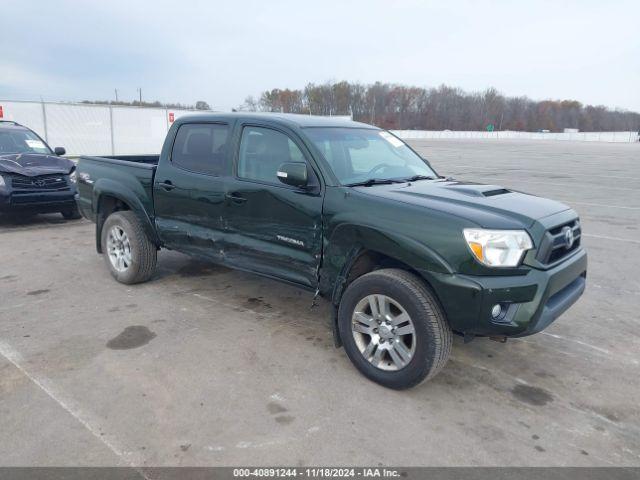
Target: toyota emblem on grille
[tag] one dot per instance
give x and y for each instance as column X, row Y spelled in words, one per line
column 568, row 236
column 39, row 183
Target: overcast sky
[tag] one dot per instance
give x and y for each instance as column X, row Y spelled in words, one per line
column 222, row 51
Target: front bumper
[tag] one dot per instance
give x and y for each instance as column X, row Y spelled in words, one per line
column 532, row 301
column 40, row 202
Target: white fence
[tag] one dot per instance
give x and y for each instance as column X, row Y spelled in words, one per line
column 95, row 129
column 616, row 137
column 116, row 130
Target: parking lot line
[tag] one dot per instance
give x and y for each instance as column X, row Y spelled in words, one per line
column 605, row 237
column 588, row 345
column 603, row 205
column 86, row 419
column 572, row 185
column 517, row 170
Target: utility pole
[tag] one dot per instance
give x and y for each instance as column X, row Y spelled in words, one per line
column 116, row 90
column 373, row 110
column 140, row 93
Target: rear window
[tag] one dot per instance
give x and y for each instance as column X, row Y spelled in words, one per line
column 201, row 148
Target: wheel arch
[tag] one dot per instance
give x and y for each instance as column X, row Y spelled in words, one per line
column 110, row 197
column 353, row 251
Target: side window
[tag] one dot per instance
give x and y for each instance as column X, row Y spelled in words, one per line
column 262, row 151
column 201, row 148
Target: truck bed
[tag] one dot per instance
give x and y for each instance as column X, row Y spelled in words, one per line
column 137, row 159
column 128, row 177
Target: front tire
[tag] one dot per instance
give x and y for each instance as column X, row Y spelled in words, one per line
column 393, row 328
column 127, row 250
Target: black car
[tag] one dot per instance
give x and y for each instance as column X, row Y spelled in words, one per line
column 34, row 178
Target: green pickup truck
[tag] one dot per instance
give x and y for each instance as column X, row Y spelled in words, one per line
column 349, row 211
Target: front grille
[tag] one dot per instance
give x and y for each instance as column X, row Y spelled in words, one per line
column 42, row 182
column 554, row 246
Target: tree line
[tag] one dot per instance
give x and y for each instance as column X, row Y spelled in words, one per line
column 401, row 107
column 199, row 105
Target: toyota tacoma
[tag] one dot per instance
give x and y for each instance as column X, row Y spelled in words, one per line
column 406, row 257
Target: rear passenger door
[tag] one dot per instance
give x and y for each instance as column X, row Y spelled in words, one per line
column 273, row 228
column 189, row 189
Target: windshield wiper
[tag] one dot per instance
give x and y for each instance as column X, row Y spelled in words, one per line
column 419, row 177
column 373, row 181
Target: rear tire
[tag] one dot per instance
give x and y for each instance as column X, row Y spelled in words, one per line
column 128, row 252
column 71, row 213
column 398, row 349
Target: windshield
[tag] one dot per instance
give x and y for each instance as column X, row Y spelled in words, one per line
column 21, row 141
column 359, row 154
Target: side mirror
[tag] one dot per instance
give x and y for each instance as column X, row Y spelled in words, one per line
column 59, row 151
column 294, row 174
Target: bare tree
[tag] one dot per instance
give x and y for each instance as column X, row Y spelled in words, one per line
column 408, row 107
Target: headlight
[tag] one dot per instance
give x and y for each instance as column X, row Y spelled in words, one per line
column 73, row 177
column 2, row 184
column 498, row 248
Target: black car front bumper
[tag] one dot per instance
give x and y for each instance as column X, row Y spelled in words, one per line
column 37, row 202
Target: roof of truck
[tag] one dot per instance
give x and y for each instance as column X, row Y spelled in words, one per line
column 298, row 120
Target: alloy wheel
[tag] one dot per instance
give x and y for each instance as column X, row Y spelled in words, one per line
column 119, row 249
column 383, row 332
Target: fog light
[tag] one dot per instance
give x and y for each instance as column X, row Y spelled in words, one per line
column 496, row 310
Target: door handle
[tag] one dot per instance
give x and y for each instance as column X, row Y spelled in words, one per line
column 167, row 185
column 235, row 198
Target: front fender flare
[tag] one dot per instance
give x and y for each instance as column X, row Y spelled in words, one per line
column 348, row 242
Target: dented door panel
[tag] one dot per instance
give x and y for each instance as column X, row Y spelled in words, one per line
column 275, row 230
column 188, row 217
column 350, row 228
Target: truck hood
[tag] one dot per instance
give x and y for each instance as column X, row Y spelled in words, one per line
column 34, row 164
column 489, row 206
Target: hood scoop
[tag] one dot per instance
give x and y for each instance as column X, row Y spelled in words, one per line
column 475, row 191
column 497, row 191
